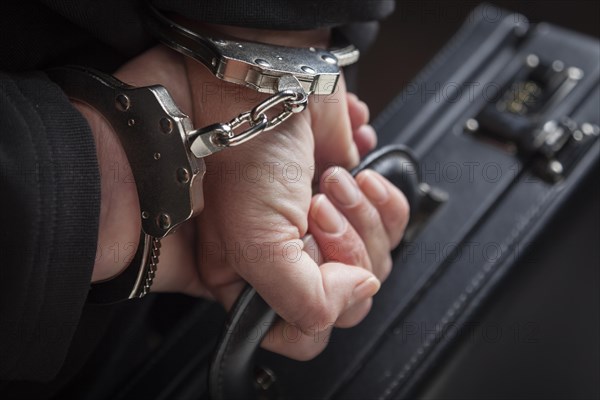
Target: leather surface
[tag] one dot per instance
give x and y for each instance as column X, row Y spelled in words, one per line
column 417, row 335
column 231, row 373
column 497, row 208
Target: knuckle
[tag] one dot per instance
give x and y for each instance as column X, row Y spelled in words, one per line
column 365, row 218
column 385, row 268
column 324, row 319
column 370, row 215
column 358, row 255
column 318, row 318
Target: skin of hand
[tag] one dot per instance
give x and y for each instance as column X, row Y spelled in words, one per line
column 262, row 206
column 255, row 226
column 120, row 222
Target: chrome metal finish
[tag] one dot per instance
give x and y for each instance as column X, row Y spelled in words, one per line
column 166, row 125
column 289, row 74
column 153, row 132
column 149, row 267
column 256, row 65
column 255, row 127
column 558, row 145
column 290, row 97
column 183, row 175
column 163, row 150
column 203, row 142
column 575, row 73
column 555, row 167
column 532, row 61
column 164, row 221
column 329, row 59
column 122, row 102
column 265, row 378
column 590, row 129
column 134, row 281
column 472, row 125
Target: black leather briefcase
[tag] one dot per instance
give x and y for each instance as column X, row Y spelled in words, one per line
column 494, row 292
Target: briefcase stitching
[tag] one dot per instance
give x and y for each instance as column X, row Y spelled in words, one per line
column 475, row 284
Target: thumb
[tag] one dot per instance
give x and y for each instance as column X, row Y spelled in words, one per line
column 309, row 296
column 344, row 287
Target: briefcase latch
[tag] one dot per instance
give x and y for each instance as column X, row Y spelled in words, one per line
column 517, row 121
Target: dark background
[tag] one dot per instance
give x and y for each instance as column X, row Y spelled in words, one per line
column 558, row 296
column 419, row 29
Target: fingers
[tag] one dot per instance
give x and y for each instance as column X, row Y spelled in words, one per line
column 376, row 209
column 377, row 213
column 305, row 340
column 348, row 198
column 253, row 231
column 363, row 134
column 309, row 297
column 365, row 138
column 338, row 241
column 358, row 111
column 359, row 227
column 391, row 204
column 336, row 237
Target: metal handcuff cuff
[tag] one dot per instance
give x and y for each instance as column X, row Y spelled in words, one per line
column 165, row 151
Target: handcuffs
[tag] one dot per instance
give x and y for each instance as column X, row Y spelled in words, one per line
column 163, row 148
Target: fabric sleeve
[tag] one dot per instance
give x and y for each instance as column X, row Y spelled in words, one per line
column 279, row 14
column 49, row 210
column 49, row 179
column 105, row 34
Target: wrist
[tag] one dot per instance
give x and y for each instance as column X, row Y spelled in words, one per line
column 119, row 222
column 221, row 99
column 312, row 38
column 303, row 38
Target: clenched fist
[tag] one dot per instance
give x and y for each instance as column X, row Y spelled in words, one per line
column 316, row 259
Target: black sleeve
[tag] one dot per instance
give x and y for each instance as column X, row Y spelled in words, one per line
column 48, row 169
column 280, row 14
column 49, row 211
column 105, row 34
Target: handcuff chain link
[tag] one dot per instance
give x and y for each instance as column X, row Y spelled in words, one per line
column 293, row 102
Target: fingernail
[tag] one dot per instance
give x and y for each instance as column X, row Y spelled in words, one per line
column 345, row 191
column 327, row 217
column 373, row 187
column 366, row 289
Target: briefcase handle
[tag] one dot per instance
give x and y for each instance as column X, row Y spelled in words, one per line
column 232, row 369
